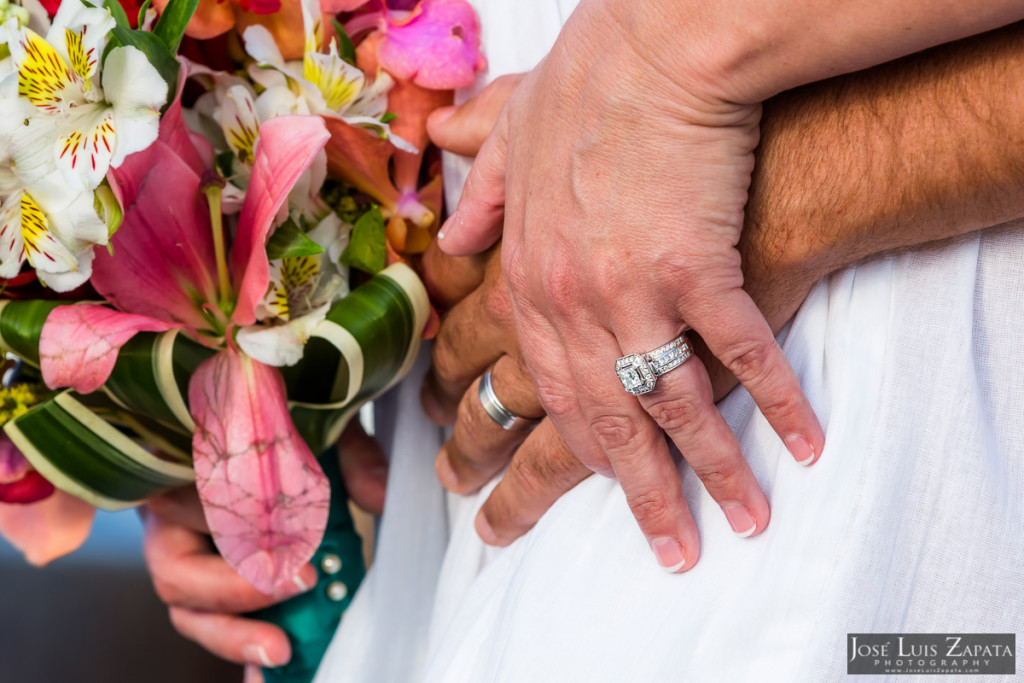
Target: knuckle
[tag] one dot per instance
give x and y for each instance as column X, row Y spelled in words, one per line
column 445, row 361
column 497, row 304
column 166, row 589
column 650, row 508
column 615, row 432
column 559, row 401
column 681, row 415
column 528, row 476
column 750, row 361
column 719, row 476
column 559, row 281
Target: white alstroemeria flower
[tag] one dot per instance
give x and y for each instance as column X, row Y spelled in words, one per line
column 43, row 219
column 94, row 120
column 322, row 83
column 300, row 295
column 51, row 225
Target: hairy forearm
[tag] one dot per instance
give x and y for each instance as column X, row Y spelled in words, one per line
column 921, row 149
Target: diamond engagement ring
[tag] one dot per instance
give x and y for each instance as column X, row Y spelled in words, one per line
column 501, row 415
column 639, row 372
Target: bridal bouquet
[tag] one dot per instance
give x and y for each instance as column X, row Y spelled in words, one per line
column 208, row 213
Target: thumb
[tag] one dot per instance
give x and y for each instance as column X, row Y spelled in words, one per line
column 462, row 130
column 477, row 221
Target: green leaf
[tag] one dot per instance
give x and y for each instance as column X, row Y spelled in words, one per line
column 367, row 248
column 388, row 117
column 288, row 241
column 142, row 12
column 117, row 12
column 156, row 52
column 170, row 27
column 345, row 47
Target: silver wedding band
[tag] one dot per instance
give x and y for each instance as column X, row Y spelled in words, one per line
column 495, row 410
column 639, row 372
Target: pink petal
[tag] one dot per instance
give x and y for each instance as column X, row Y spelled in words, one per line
column 163, row 263
column 19, row 483
column 48, row 529
column 31, row 488
column 13, row 465
column 285, row 148
column 361, row 158
column 412, row 104
column 264, row 494
column 437, row 46
column 79, row 344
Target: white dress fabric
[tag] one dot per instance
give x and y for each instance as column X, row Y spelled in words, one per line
column 912, row 521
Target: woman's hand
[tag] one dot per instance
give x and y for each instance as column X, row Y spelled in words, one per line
column 622, row 194
column 206, row 597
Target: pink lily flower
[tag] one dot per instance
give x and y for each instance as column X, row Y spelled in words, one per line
column 263, row 492
column 38, row 520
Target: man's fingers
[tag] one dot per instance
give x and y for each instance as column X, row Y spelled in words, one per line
column 477, row 222
column 450, row 279
column 738, row 335
column 363, row 467
column 479, row 447
column 542, row 470
column 253, row 674
column 236, row 639
column 682, row 405
column 187, row 573
column 474, row 334
column 462, row 130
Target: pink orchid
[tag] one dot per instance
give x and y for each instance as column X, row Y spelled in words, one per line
column 38, row 520
column 265, row 497
column 437, row 45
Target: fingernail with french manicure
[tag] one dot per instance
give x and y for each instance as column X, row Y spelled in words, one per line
column 300, row 583
column 450, row 226
column 801, row 449
column 742, row 522
column 256, row 654
column 669, row 553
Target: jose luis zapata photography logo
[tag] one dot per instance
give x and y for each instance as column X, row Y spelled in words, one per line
column 931, row 653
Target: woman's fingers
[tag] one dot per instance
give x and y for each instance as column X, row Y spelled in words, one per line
column 682, row 405
column 636, row 448
column 188, row 573
column 463, row 129
column 477, row 222
column 738, row 335
column 236, row 639
column 542, row 470
column 480, row 447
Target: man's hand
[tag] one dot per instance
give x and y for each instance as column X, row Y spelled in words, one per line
column 206, row 597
